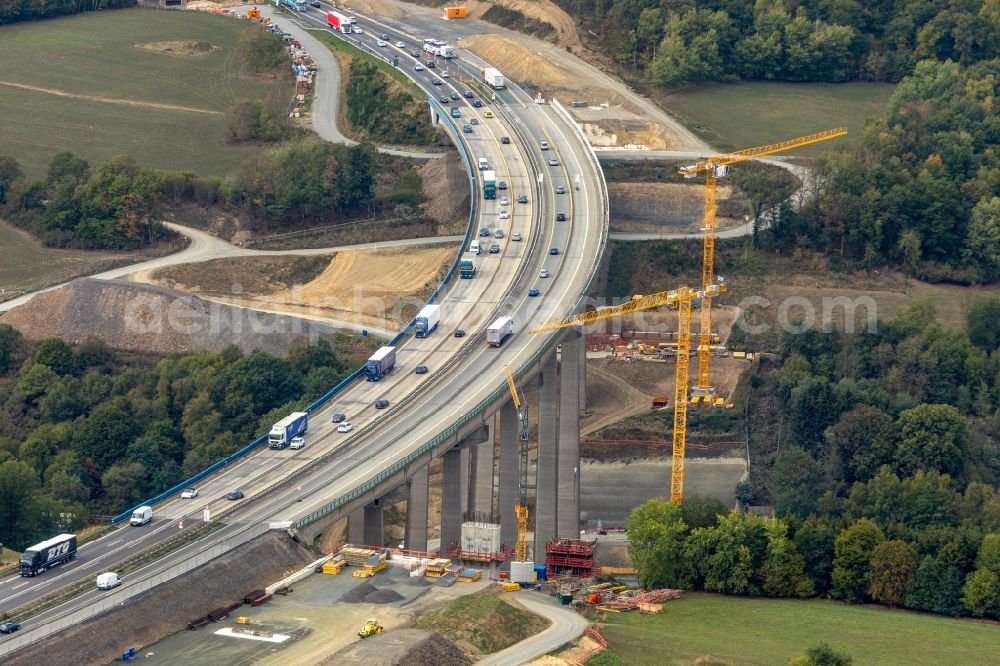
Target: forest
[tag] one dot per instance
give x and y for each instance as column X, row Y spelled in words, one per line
column 12, row 11
column 86, row 432
column 676, row 42
column 878, row 453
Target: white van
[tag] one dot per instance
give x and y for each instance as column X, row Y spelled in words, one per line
column 106, row 581
column 484, row 164
column 141, row 516
column 474, row 247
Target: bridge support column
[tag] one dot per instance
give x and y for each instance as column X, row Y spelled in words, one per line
column 481, row 490
column 416, row 510
column 510, row 434
column 374, row 534
column 546, row 466
column 356, row 527
column 568, row 522
column 464, row 480
column 451, row 498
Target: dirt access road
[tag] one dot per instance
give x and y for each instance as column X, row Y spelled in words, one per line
column 567, row 625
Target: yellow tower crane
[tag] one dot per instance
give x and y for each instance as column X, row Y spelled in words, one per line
column 716, row 167
column 682, row 299
column 521, row 508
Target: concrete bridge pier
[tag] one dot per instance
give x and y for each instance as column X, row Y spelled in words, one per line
column 364, row 525
column 510, row 435
column 547, row 462
column 416, row 510
column 571, row 388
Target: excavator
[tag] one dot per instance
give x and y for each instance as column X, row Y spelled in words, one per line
column 371, row 628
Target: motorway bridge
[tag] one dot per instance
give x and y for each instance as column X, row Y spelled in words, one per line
column 447, row 413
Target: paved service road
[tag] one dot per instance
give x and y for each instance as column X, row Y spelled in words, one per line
column 567, row 625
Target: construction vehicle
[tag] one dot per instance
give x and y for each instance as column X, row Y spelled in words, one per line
column 716, row 167
column 521, row 508
column 253, row 13
column 682, row 298
column 371, row 628
column 242, row 619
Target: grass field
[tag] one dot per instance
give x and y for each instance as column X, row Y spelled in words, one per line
column 730, row 116
column 27, row 265
column 772, row 631
column 97, row 55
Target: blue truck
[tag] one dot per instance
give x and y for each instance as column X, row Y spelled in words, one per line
column 380, row 364
column 283, row 431
column 426, row 320
column 467, row 267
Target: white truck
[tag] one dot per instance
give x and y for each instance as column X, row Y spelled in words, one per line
column 283, row 431
column 501, row 329
column 427, row 320
column 141, row 516
column 493, row 78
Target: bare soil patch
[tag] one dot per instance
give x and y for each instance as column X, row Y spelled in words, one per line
column 402, row 647
column 380, row 287
column 609, row 398
column 180, row 48
column 242, row 275
column 373, row 7
column 519, row 62
column 445, row 185
column 666, row 207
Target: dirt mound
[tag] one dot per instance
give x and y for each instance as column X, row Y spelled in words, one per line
column 154, row 319
column 446, row 186
column 542, row 10
column 517, row 61
column 170, row 607
column 369, row 594
column 180, row 48
column 240, row 275
column 402, row 647
column 663, row 207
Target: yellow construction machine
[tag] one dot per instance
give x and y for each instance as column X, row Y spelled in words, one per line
column 371, row 628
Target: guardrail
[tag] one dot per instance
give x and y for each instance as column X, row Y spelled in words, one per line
column 127, row 591
column 445, row 281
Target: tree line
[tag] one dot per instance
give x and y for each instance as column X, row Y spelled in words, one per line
column 86, row 431
column 118, row 205
column 676, row 42
column 12, row 11
column 878, row 453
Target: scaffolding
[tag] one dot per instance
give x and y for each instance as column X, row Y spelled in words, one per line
column 571, row 557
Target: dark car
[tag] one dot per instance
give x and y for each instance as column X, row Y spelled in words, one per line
column 468, row 94
column 420, row 370
column 234, row 495
column 445, row 99
column 384, row 36
column 315, row 4
column 484, row 232
column 339, row 417
column 430, row 64
column 522, row 198
column 553, row 250
column 437, row 82
column 560, row 217
column 467, row 129
column 455, row 95
column 532, row 292
column 495, row 248
column 381, row 403
column 476, row 103
column 9, row 627
column 474, row 121
column 459, row 333
column 505, row 139
column 415, row 54
column 502, row 185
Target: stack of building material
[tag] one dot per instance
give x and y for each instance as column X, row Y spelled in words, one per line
column 469, row 575
column 372, row 566
column 657, row 596
column 447, row 580
column 333, row 567
column 453, row 569
column 437, row 568
column 354, row 556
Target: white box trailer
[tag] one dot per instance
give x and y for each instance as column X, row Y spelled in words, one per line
column 501, row 329
column 493, row 78
column 427, row 320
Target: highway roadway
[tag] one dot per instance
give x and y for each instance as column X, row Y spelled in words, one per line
column 500, row 287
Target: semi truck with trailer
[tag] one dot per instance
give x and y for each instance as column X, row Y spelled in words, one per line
column 438, row 48
column 467, row 267
column 380, row 364
column 427, row 320
column 489, row 185
column 498, row 332
column 297, row 5
column 283, row 431
column 47, row 554
column 338, row 21
column 493, row 78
